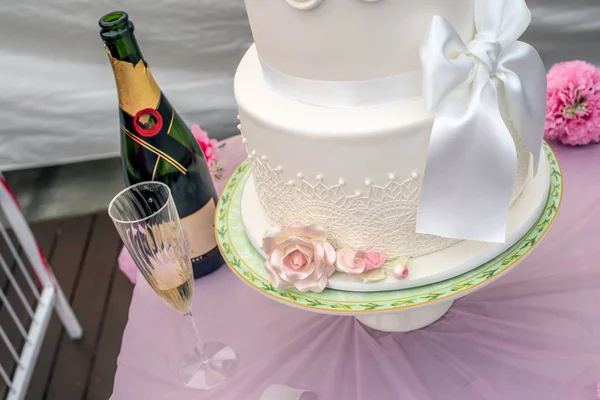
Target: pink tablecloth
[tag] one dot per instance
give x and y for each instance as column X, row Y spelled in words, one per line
column 533, row 334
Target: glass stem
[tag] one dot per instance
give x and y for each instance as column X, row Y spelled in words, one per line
column 199, row 342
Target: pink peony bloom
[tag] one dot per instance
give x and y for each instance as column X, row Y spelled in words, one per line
column 299, row 256
column 573, row 103
column 209, row 146
column 357, row 262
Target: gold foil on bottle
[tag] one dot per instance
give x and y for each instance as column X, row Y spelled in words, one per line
column 136, row 87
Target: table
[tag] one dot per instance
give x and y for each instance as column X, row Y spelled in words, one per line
column 534, row 334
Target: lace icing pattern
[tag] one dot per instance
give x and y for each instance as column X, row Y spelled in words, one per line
column 380, row 218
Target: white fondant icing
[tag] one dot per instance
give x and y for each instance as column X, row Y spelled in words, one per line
column 304, row 5
column 351, row 40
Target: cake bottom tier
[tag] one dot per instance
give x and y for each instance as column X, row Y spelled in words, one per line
column 424, row 270
column 357, row 173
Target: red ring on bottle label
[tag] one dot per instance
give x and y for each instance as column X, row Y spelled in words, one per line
column 148, row 132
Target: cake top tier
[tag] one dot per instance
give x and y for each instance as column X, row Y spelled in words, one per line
column 349, row 39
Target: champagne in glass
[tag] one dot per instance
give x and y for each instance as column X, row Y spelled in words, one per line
column 146, row 219
column 176, row 290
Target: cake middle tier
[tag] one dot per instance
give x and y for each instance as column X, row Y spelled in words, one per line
column 355, row 172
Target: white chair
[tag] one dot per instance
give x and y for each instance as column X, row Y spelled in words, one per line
column 48, row 296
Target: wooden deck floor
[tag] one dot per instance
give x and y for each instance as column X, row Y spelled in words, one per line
column 83, row 254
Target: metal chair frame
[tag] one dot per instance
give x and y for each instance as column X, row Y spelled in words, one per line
column 48, row 296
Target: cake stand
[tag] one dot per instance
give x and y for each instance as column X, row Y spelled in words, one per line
column 399, row 310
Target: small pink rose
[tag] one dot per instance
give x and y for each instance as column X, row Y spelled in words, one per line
column 373, row 260
column 209, row 146
column 348, row 262
column 299, row 256
column 400, row 271
column 357, row 262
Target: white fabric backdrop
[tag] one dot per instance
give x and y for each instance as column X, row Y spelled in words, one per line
column 57, row 95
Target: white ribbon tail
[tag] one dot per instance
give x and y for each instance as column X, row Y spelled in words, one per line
column 471, row 166
column 523, row 76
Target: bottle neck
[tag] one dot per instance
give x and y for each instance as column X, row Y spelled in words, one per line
column 124, row 47
column 116, row 31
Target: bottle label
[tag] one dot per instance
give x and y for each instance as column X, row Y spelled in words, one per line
column 137, row 87
column 150, row 129
column 199, row 230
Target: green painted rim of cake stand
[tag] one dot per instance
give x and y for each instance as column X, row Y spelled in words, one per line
column 247, row 263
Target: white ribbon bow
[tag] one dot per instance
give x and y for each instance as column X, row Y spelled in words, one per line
column 475, row 89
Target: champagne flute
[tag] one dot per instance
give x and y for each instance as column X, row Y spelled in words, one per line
column 147, row 221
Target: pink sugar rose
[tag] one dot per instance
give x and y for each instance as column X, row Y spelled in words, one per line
column 298, row 255
column 209, row 146
column 573, row 103
column 357, row 262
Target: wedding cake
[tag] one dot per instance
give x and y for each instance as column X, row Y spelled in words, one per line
column 383, row 130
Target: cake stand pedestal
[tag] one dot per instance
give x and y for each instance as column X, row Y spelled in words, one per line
column 399, row 310
column 406, row 320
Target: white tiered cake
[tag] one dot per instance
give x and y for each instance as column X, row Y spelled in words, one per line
column 337, row 130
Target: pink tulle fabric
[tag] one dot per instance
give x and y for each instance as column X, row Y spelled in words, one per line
column 209, row 146
column 532, row 334
column 573, row 103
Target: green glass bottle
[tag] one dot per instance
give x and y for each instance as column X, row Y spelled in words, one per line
column 157, row 145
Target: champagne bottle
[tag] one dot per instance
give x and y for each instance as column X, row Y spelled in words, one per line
column 156, row 144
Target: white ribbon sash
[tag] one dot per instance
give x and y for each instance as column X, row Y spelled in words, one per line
column 471, row 162
column 344, row 94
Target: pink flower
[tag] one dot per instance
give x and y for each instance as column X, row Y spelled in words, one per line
column 396, row 267
column 573, row 103
column 400, row 271
column 209, row 146
column 357, row 262
column 299, row 255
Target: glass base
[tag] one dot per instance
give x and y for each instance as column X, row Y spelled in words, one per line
column 218, row 364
